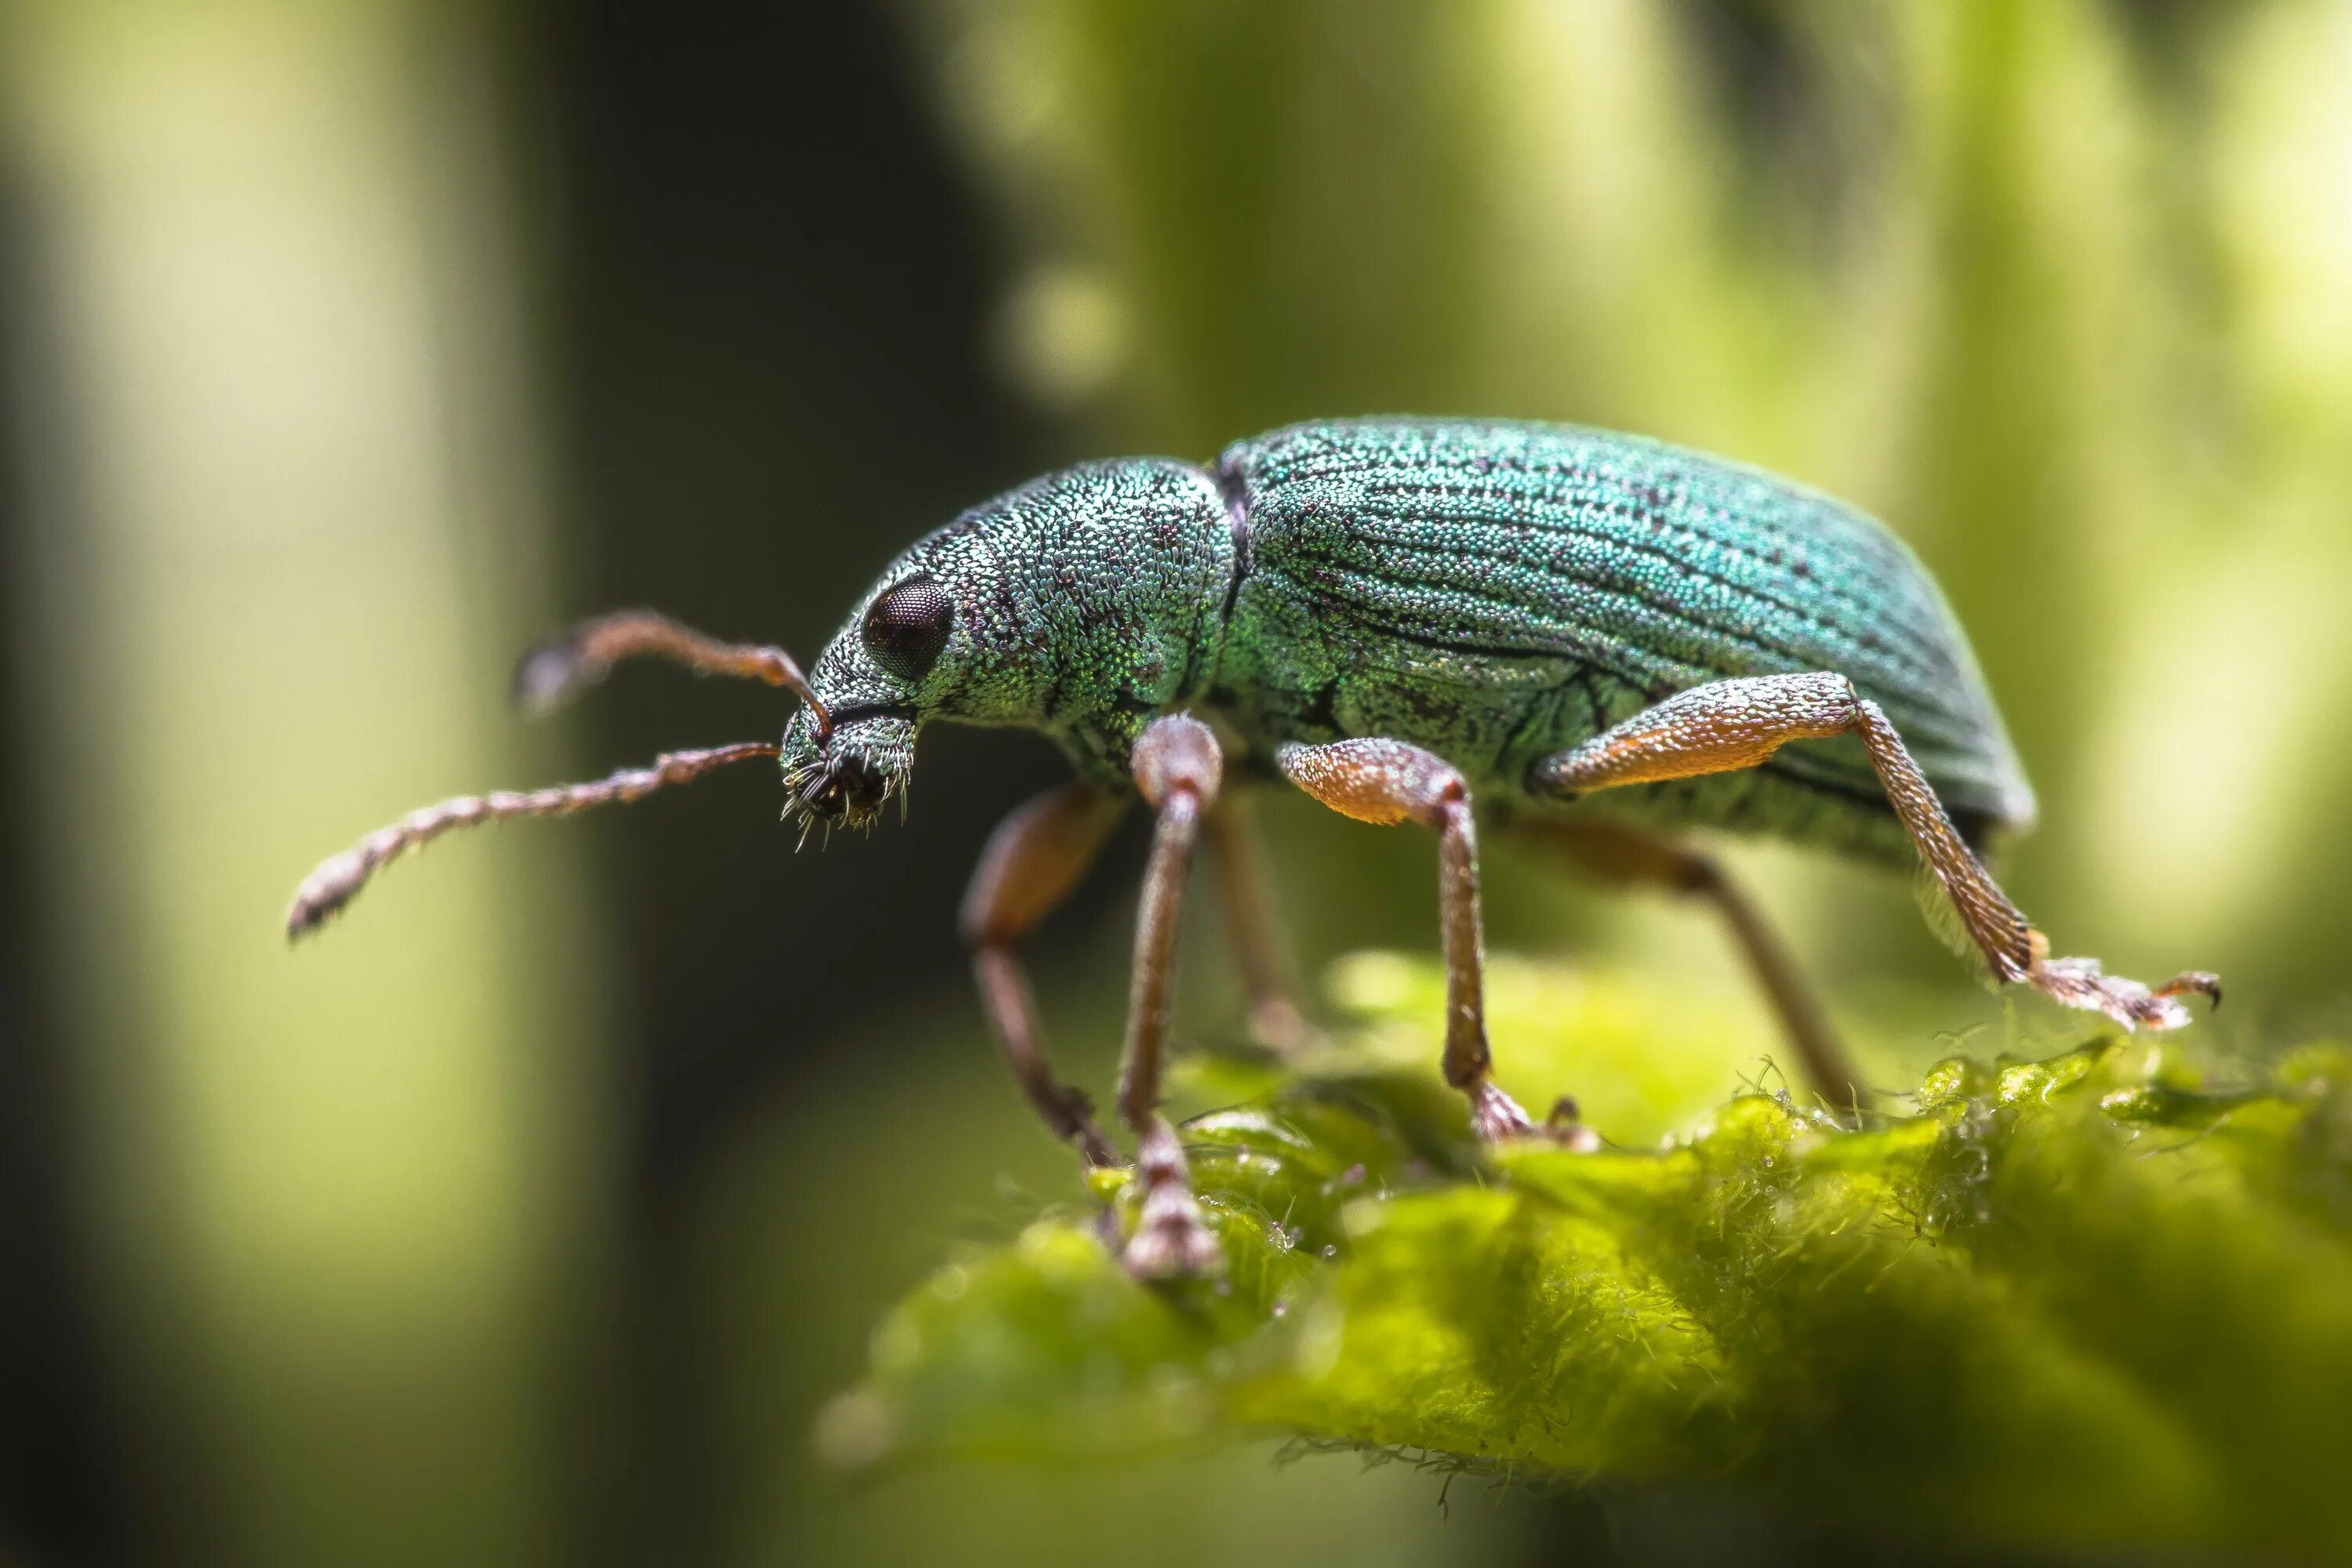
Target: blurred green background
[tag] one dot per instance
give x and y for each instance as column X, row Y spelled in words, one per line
column 346, row 348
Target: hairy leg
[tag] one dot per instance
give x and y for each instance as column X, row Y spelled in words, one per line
column 1388, row 782
column 1276, row 1019
column 1178, row 768
column 1033, row 861
column 1730, row 724
column 1628, row 855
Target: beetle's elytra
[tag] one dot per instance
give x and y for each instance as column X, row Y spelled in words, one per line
column 1584, row 641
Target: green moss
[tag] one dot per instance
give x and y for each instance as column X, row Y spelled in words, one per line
column 2101, row 1296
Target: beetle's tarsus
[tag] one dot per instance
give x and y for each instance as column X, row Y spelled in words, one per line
column 1095, row 1151
column 1171, row 1240
column 1170, row 1237
column 2082, row 982
column 2204, row 983
column 1565, row 1126
column 1494, row 1116
column 1070, row 1112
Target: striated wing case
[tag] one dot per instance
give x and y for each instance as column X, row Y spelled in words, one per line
column 1499, row 590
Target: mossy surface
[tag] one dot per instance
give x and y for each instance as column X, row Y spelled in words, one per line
column 2104, row 1297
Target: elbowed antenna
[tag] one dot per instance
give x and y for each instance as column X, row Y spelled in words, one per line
column 550, row 675
column 339, row 879
column 545, row 678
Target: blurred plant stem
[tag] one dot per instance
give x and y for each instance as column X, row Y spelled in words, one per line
column 286, row 519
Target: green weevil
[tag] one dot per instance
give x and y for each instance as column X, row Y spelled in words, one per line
column 1584, row 641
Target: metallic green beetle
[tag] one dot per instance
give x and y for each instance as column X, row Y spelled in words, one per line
column 1583, row 639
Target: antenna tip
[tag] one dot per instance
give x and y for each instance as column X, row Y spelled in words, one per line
column 547, row 676
column 324, row 893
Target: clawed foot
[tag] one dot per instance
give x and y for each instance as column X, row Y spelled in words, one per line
column 1070, row 1113
column 1170, row 1237
column 1566, row 1128
column 2081, row 983
column 1496, row 1118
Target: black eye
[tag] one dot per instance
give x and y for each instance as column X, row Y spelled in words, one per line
column 907, row 626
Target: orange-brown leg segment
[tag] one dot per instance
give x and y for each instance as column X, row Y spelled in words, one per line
column 1628, row 855
column 1033, row 861
column 1730, row 724
column 1388, row 782
column 1276, row 1019
column 1178, row 768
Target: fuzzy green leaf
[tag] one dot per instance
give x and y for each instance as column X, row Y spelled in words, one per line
column 2088, row 1299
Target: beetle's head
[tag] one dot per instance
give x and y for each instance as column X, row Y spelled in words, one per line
column 1069, row 605
column 907, row 653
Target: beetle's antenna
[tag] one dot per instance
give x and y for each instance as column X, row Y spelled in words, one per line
column 555, row 672
column 338, row 880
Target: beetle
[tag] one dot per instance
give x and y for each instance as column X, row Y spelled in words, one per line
column 1587, row 642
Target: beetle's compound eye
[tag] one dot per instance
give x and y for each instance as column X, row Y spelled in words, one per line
column 909, row 625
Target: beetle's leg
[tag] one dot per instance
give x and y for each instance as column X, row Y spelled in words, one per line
column 1730, row 724
column 1628, row 855
column 1178, row 768
column 1033, row 861
column 555, row 671
column 1388, row 782
column 1276, row 1019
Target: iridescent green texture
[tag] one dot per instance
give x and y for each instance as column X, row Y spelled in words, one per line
column 1088, row 602
column 1493, row 591
column 1497, row 592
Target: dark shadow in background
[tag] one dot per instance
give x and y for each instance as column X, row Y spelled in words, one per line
column 64, row 1495
column 771, row 288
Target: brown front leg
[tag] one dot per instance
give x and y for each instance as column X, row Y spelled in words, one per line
column 1178, row 768
column 1033, row 861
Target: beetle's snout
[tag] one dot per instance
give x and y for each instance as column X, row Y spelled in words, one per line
column 847, row 773
column 849, row 789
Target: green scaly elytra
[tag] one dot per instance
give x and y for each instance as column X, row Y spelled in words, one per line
column 1587, row 641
